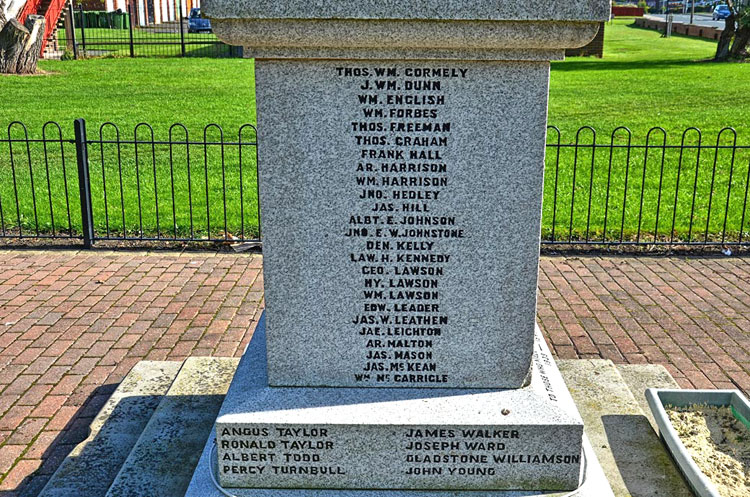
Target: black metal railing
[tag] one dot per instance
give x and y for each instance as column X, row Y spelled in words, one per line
column 20, row 197
column 689, row 192
column 137, row 188
column 134, row 34
column 165, row 185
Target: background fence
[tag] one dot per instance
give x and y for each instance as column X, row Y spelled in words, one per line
column 171, row 185
column 135, row 186
column 98, row 34
column 680, row 191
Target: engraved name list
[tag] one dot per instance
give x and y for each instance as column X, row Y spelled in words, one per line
column 402, row 231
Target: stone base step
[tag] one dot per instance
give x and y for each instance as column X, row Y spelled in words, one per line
column 388, row 438
column 121, row 457
column 639, row 377
column 162, row 461
column 92, row 466
column 629, row 450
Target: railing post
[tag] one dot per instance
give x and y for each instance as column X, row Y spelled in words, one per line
column 83, row 30
column 84, row 185
column 182, row 28
column 72, row 26
column 130, row 30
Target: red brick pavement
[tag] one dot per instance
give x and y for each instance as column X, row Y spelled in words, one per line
column 72, row 324
column 690, row 314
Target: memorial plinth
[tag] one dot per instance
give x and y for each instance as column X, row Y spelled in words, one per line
column 401, row 174
column 394, row 438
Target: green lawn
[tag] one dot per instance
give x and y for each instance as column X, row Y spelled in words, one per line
column 160, row 91
column 643, row 81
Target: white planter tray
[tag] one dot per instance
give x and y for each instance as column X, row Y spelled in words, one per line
column 658, row 398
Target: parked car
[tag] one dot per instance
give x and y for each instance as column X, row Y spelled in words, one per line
column 196, row 23
column 721, row 12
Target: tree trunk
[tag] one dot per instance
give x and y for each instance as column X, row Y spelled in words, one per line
column 741, row 39
column 33, row 48
column 12, row 40
column 722, row 50
column 20, row 46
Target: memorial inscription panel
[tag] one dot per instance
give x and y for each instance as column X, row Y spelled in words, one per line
column 401, row 218
column 427, row 457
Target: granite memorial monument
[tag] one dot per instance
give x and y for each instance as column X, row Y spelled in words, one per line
column 401, row 174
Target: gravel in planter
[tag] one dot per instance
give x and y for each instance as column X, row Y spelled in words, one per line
column 719, row 444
